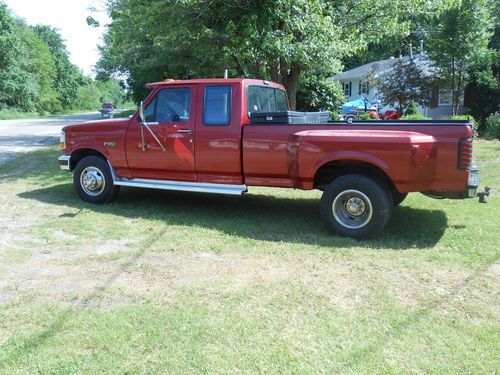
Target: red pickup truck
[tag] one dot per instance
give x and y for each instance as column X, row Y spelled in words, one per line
column 224, row 135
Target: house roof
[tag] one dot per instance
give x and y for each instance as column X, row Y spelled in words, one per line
column 380, row 67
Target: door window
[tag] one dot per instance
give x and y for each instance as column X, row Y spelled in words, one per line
column 217, row 105
column 169, row 105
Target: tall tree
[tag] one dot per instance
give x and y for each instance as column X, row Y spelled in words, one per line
column 460, row 37
column 26, row 66
column 68, row 77
column 282, row 40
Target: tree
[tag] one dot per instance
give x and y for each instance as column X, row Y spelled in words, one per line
column 403, row 80
column 68, row 78
column 281, row 40
column 26, row 67
column 459, row 38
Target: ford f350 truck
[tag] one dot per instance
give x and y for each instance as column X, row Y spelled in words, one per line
column 225, row 135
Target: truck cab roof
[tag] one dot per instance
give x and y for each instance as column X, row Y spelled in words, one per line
column 213, row 81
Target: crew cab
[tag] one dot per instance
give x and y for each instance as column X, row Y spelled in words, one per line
column 226, row 135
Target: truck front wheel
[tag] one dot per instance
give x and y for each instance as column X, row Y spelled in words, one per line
column 356, row 206
column 93, row 181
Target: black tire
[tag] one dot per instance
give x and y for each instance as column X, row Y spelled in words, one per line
column 356, row 206
column 93, row 181
column 398, row 198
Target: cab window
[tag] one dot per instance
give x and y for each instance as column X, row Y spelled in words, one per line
column 169, row 105
column 217, row 105
column 266, row 99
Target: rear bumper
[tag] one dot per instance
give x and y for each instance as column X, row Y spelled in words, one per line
column 64, row 162
column 473, row 182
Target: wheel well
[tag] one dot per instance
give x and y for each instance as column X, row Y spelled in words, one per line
column 79, row 154
column 330, row 171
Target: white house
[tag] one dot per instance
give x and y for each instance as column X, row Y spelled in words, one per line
column 356, row 86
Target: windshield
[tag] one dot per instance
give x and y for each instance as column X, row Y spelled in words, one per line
column 266, row 99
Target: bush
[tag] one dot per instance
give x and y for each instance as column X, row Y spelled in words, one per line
column 475, row 124
column 493, row 126
column 415, row 117
column 316, row 94
column 366, row 116
column 334, row 116
column 412, row 110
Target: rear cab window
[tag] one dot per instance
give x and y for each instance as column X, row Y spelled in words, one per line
column 266, row 99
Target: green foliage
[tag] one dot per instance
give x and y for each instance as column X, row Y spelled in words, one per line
column 484, row 91
column 36, row 74
column 412, row 109
column 317, row 94
column 282, row 40
column 334, row 115
column 86, row 98
column 415, row 117
column 366, row 116
column 460, row 38
column 68, row 78
column 493, row 126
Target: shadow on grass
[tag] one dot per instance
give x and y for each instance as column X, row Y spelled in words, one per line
column 258, row 217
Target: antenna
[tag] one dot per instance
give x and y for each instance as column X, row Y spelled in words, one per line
column 226, row 73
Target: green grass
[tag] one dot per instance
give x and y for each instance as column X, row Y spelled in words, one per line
column 165, row 282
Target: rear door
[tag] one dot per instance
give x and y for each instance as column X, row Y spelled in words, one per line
column 218, row 133
column 171, row 116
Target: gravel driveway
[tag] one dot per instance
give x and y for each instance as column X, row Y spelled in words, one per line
column 17, row 136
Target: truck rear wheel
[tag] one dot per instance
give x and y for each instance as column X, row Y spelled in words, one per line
column 356, row 206
column 93, row 180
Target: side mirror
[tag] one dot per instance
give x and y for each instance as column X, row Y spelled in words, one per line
column 141, row 112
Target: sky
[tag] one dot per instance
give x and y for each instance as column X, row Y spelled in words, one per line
column 69, row 17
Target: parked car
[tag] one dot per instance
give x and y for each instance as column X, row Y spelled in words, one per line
column 226, row 135
column 107, row 110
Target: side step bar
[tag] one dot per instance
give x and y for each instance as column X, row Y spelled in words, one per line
column 183, row 186
column 199, row 187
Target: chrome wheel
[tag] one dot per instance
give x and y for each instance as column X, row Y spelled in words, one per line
column 352, row 209
column 92, row 181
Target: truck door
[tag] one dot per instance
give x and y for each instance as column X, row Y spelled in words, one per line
column 170, row 115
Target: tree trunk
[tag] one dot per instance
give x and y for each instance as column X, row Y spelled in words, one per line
column 453, row 89
column 291, row 83
column 456, row 97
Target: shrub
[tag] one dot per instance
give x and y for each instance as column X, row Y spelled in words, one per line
column 493, row 126
column 366, row 116
column 475, row 124
column 334, row 116
column 412, row 110
column 415, row 117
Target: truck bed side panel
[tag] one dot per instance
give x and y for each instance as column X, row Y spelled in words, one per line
column 286, row 156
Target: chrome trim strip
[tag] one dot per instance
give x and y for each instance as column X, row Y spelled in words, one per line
column 64, row 162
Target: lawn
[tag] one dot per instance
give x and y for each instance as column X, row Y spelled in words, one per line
column 166, row 282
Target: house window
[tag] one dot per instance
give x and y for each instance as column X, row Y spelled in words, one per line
column 364, row 88
column 445, row 97
column 347, row 88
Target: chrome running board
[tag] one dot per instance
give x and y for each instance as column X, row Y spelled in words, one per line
column 198, row 187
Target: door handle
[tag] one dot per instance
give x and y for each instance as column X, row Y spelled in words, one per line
column 185, row 131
